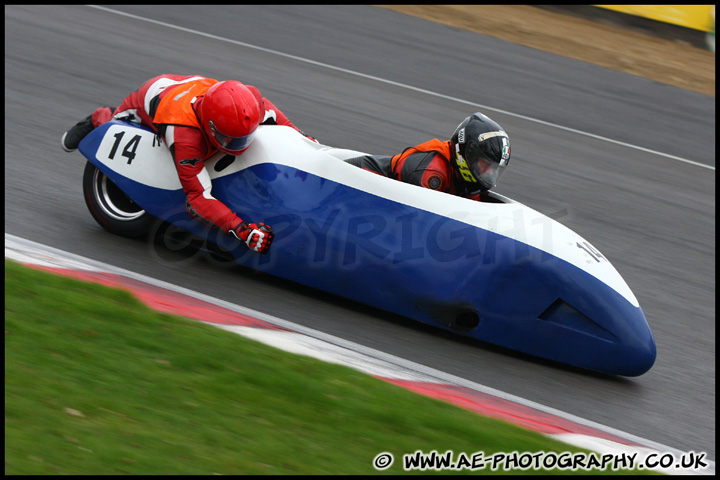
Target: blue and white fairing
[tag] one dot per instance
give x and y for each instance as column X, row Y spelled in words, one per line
column 498, row 272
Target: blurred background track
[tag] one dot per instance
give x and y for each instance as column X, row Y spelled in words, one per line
column 628, row 43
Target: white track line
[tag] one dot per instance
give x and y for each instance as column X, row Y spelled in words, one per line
column 401, row 85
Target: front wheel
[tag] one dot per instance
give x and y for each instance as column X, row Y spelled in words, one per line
column 111, row 208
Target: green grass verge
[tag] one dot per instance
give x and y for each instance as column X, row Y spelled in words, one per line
column 97, row 383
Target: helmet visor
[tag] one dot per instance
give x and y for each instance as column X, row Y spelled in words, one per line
column 487, row 172
column 228, row 144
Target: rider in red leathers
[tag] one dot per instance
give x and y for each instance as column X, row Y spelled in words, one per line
column 467, row 165
column 197, row 117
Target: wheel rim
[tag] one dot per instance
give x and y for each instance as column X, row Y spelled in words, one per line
column 113, row 201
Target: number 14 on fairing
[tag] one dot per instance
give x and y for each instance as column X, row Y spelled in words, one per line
column 122, row 144
column 128, row 151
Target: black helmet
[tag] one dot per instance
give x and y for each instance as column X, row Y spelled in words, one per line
column 482, row 151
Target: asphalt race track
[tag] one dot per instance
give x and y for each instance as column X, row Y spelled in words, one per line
column 626, row 162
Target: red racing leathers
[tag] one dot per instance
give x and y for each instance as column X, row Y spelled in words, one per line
column 428, row 165
column 176, row 120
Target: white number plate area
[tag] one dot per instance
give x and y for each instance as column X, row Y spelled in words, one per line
column 137, row 155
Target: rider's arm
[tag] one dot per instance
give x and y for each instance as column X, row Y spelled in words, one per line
column 188, row 150
column 379, row 164
column 426, row 169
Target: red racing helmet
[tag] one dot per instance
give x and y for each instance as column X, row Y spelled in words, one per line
column 230, row 114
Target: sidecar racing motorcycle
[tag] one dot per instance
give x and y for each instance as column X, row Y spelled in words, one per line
column 497, row 271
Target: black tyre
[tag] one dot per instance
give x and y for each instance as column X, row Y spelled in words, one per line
column 111, row 208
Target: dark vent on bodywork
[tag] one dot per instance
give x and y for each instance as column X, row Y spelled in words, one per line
column 224, row 162
column 458, row 316
column 468, row 319
column 564, row 315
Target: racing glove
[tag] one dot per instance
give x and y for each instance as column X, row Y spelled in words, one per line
column 257, row 236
